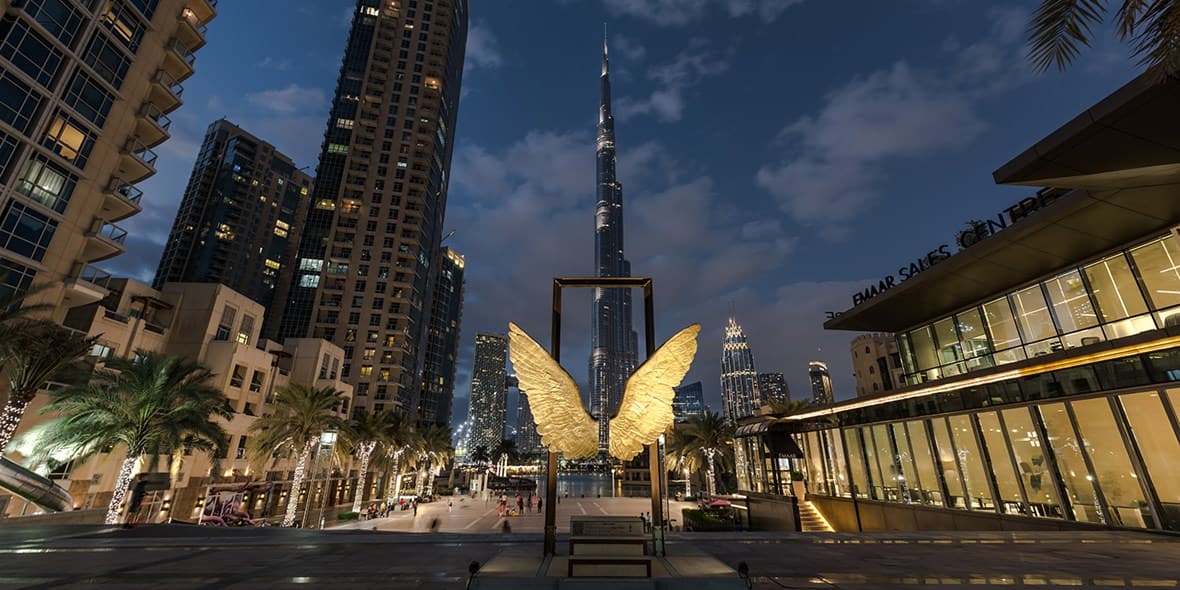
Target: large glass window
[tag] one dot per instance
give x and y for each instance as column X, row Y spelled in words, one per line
column 69, row 139
column 46, row 183
column 925, row 354
column 122, row 23
column 976, row 346
column 1007, row 484
column 816, row 479
column 1032, row 315
column 877, row 483
column 18, row 102
column 947, row 465
column 1159, row 267
column 1156, row 438
column 834, row 445
column 1071, row 467
column 949, row 350
column 25, row 231
column 8, row 149
column 1112, row 465
column 1076, row 316
column 1005, row 336
column 856, row 462
column 107, row 59
column 57, row 16
column 919, row 447
column 1028, row 450
column 971, row 463
column 908, row 483
column 30, row 52
column 89, row 99
column 1114, row 288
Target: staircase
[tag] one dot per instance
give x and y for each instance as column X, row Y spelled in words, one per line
column 811, row 520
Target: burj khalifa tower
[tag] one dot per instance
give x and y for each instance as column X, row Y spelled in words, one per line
column 613, row 341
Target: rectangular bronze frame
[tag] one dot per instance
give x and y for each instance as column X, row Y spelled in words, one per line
column 654, row 463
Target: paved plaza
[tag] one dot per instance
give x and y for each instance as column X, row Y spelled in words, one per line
column 182, row 556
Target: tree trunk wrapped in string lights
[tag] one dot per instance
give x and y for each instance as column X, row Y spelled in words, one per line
column 364, row 451
column 126, row 472
column 297, row 482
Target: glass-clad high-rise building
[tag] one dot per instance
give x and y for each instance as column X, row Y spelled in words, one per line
column 613, row 341
column 821, row 383
column 488, row 412
column 240, row 217
column 364, row 273
column 773, row 388
column 689, row 401
column 739, row 378
column 442, row 344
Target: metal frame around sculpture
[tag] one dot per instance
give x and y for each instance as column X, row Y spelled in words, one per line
column 653, row 454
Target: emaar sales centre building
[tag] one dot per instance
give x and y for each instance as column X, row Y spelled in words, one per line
column 1041, row 350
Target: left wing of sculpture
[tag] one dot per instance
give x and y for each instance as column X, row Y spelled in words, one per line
column 645, row 411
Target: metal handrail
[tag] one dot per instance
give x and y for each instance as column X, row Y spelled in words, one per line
column 155, row 115
column 110, row 231
column 145, row 154
column 94, row 275
column 126, row 190
column 183, row 51
column 169, row 82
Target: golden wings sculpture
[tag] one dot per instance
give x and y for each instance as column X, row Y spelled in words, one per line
column 645, row 410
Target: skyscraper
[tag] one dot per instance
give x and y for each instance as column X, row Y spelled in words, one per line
column 527, row 439
column 821, row 383
column 613, row 342
column 366, row 260
column 442, row 344
column 773, row 388
column 688, row 402
column 85, row 88
column 739, row 379
column 489, row 391
column 241, row 212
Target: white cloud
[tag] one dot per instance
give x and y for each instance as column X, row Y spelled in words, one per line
column 667, row 102
column 483, row 49
column 292, row 99
column 268, row 62
column 836, row 159
column 681, row 12
column 629, row 48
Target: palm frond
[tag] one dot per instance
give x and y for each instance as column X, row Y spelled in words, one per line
column 1059, row 29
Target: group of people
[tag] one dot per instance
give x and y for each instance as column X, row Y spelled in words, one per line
column 384, row 509
column 519, row 505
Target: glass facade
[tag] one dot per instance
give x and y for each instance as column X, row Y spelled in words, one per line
column 1125, row 294
column 1106, row 458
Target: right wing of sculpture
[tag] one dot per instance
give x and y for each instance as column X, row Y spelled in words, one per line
column 563, row 423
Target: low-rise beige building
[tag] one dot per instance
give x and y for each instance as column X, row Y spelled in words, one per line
column 218, row 327
column 876, row 363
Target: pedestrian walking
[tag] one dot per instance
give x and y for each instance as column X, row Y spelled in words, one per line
column 450, row 504
column 539, row 503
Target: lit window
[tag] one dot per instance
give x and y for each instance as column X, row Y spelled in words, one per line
column 345, row 123
column 225, row 232
column 272, row 264
column 366, row 371
column 336, row 148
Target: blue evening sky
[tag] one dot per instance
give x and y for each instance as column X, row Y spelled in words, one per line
column 776, row 155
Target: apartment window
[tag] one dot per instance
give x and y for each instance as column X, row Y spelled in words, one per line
column 124, row 25
column 245, row 329
column 107, row 59
column 225, row 326
column 69, row 139
column 89, row 99
column 25, row 231
column 27, row 50
column 366, row 371
column 238, row 377
column 18, row 102
column 57, row 16
column 257, row 378
column 8, row 148
column 100, row 351
column 46, row 183
column 146, row 7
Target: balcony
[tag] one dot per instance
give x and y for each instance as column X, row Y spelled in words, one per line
column 203, row 10
column 137, row 161
column 103, row 241
column 191, row 30
column 151, row 126
column 166, row 92
column 86, row 284
column 178, row 60
column 122, row 200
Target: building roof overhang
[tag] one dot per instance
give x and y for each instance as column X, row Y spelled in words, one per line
column 1123, row 156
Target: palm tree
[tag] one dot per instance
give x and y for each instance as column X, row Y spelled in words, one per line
column 300, row 414
column 787, row 407
column 13, row 306
column 148, row 405
column 708, row 437
column 507, row 447
column 1059, row 29
column 434, row 451
column 480, row 455
column 365, row 433
column 400, row 438
column 32, row 353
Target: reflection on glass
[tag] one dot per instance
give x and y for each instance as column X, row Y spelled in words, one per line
column 1001, row 323
column 971, row 463
column 907, row 354
column 876, row 483
column 1129, row 327
column 816, row 480
column 890, row 471
column 1005, row 475
column 1030, row 459
column 1070, row 465
column 949, row 352
column 946, row 463
column 976, row 347
column 1115, row 289
column 1159, row 267
column 909, row 478
column 1071, row 304
column 1112, row 465
column 1153, row 432
column 924, row 352
column 1032, row 314
column 927, row 476
column 856, row 462
column 833, row 443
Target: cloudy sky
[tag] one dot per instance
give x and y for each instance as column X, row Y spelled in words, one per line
column 776, row 155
